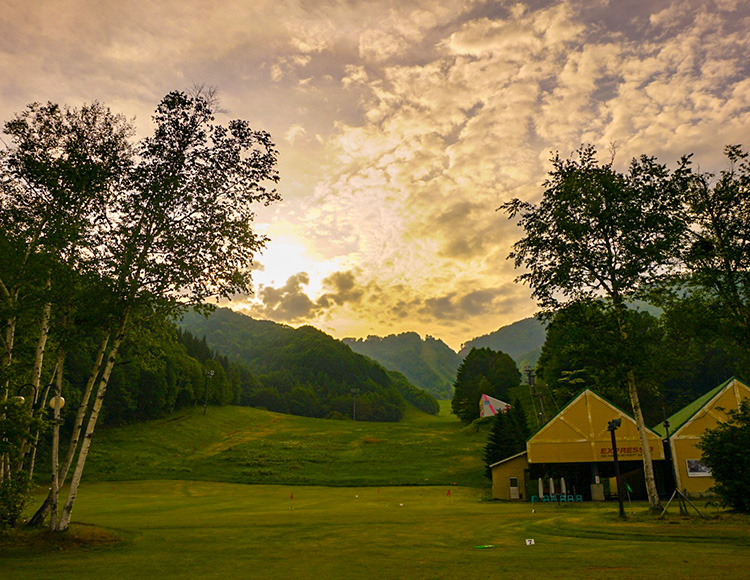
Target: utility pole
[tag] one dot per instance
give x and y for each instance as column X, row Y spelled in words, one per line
column 209, row 374
column 354, row 404
column 612, row 427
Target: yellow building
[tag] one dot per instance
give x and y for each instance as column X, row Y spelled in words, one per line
column 685, row 430
column 576, row 446
column 510, row 477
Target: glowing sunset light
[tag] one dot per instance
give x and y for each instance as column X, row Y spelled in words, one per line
column 402, row 126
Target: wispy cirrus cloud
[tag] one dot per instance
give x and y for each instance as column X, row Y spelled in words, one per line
column 402, row 126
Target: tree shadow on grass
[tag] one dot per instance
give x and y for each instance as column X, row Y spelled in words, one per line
column 23, row 541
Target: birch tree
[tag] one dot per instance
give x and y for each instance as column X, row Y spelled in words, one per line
column 181, row 230
column 58, row 170
column 57, row 175
column 599, row 233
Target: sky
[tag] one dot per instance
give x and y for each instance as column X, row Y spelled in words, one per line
column 402, row 125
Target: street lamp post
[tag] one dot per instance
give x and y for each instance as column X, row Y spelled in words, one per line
column 20, row 398
column 611, row 427
column 56, row 403
column 209, row 374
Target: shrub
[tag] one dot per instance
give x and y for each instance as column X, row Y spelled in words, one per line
column 16, row 430
column 725, row 453
column 14, row 493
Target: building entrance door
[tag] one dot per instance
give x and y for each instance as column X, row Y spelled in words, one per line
column 514, row 492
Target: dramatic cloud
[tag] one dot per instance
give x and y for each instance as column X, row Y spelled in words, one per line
column 402, row 126
column 342, row 288
column 288, row 302
column 292, row 303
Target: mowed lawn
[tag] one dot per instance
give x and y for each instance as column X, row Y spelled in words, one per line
column 243, row 493
column 184, row 529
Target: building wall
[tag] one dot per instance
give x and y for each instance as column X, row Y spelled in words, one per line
column 502, row 473
column 694, row 484
column 692, row 480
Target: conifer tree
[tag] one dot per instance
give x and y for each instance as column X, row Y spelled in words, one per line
column 483, row 371
column 501, row 441
column 520, row 422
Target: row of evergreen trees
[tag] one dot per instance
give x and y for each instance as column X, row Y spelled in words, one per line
column 307, row 372
column 164, row 369
column 483, row 371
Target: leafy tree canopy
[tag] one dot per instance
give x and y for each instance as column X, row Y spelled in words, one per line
column 601, row 233
column 717, row 255
column 583, row 350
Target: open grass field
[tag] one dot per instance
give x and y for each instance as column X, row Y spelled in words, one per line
column 182, row 529
column 246, row 445
column 338, row 499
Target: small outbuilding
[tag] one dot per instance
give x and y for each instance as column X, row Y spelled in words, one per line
column 684, row 430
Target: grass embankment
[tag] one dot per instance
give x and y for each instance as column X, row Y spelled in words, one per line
column 246, row 445
column 183, row 529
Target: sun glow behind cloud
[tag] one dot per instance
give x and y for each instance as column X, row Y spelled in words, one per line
column 402, row 126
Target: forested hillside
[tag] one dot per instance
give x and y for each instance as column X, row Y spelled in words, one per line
column 428, row 363
column 305, row 371
column 521, row 340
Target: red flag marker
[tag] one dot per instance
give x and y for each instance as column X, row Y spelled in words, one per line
column 291, row 495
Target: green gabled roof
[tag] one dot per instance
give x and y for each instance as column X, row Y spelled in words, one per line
column 688, row 412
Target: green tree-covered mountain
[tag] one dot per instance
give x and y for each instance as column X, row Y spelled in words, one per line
column 428, row 363
column 521, row 340
column 307, row 368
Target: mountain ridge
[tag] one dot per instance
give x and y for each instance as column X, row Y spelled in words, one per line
column 521, row 340
column 431, row 364
column 428, row 363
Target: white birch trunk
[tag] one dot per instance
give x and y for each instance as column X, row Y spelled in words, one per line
column 82, row 408
column 90, row 426
column 27, row 446
column 41, row 345
column 40, row 515
column 648, row 465
column 35, row 443
column 10, row 333
column 42, row 403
